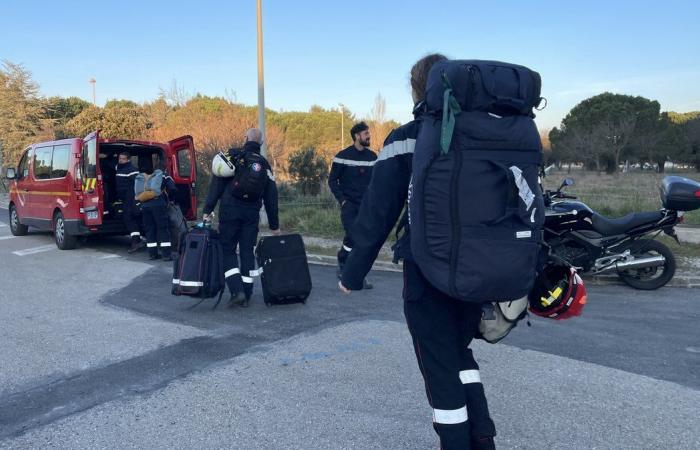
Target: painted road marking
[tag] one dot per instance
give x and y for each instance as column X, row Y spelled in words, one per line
column 31, row 251
column 110, row 256
column 2, row 238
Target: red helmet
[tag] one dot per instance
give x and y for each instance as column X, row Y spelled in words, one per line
column 558, row 293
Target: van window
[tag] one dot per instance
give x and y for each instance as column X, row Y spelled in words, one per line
column 184, row 164
column 59, row 163
column 23, row 167
column 90, row 159
column 42, row 163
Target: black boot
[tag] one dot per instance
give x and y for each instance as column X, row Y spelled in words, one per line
column 234, row 300
column 136, row 244
column 483, row 443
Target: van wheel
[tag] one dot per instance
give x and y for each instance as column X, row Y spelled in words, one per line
column 15, row 226
column 64, row 241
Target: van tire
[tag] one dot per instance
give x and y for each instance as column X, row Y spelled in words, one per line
column 16, row 227
column 64, row 241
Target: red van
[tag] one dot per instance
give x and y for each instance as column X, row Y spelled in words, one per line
column 68, row 186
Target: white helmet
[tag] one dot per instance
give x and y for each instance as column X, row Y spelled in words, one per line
column 221, row 166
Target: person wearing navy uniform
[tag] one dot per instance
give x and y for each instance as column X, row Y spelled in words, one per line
column 125, row 176
column 239, row 217
column 156, row 222
column 441, row 326
column 350, row 175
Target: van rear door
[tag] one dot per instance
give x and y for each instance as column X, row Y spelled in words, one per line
column 92, row 207
column 184, row 173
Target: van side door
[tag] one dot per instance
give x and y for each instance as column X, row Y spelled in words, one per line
column 184, row 172
column 93, row 196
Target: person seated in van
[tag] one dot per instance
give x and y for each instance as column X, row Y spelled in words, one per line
column 125, row 177
column 153, row 196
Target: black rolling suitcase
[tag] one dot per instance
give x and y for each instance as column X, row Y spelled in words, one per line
column 198, row 270
column 285, row 273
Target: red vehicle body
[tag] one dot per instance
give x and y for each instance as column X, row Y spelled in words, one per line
column 68, row 186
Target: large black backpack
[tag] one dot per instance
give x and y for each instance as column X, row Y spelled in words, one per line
column 475, row 207
column 199, row 269
column 250, row 178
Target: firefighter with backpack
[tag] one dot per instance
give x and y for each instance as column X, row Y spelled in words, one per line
column 242, row 182
column 152, row 192
column 471, row 226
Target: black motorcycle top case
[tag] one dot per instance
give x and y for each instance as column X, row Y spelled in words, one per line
column 285, row 274
column 680, row 194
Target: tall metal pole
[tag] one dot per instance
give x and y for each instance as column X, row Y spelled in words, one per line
column 261, row 82
column 92, row 82
column 342, row 125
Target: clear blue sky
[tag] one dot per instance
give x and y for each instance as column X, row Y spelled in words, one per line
column 325, row 52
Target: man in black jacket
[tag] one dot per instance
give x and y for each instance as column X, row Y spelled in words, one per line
column 350, row 175
column 239, row 213
column 441, row 326
column 125, row 176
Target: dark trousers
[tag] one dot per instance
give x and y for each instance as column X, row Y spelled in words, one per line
column 348, row 214
column 155, row 221
column 442, row 328
column 131, row 217
column 240, row 231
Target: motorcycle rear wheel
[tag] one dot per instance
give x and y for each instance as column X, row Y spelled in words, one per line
column 649, row 278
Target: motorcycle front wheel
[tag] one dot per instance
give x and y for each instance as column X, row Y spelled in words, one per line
column 649, row 278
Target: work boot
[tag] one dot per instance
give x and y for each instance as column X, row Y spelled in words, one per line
column 136, row 244
column 234, row 300
column 168, row 258
column 483, row 443
column 153, row 257
column 367, row 284
column 246, row 300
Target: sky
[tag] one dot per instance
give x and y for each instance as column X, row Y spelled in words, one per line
column 330, row 52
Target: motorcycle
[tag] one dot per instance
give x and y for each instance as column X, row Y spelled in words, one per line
column 627, row 246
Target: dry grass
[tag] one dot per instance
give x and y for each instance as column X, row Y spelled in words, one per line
column 617, row 195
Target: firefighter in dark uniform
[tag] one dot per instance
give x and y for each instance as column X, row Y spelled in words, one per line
column 125, row 176
column 239, row 218
column 350, row 175
column 156, row 222
column 441, row 326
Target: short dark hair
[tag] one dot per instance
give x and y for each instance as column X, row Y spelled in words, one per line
column 125, row 153
column 419, row 73
column 358, row 128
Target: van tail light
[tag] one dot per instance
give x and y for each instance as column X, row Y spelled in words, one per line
column 697, row 193
column 78, row 179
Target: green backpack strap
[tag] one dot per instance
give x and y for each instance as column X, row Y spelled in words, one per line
column 450, row 109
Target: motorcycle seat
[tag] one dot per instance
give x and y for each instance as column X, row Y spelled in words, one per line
column 612, row 227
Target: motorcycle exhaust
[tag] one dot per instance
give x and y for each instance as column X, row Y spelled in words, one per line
column 637, row 263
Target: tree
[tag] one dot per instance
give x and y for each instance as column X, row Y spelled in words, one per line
column 114, row 103
column 613, row 122
column 21, row 111
column 60, row 110
column 378, row 125
column 118, row 122
column 308, row 169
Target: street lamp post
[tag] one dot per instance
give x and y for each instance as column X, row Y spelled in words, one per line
column 92, row 82
column 261, row 82
column 342, row 125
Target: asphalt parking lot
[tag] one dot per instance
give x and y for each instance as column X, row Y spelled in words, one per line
column 97, row 354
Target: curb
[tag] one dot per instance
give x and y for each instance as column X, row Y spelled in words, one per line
column 602, row 280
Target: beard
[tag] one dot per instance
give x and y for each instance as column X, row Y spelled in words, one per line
column 365, row 142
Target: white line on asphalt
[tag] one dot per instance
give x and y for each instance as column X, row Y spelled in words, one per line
column 2, row 225
column 2, row 238
column 31, row 251
column 109, row 256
